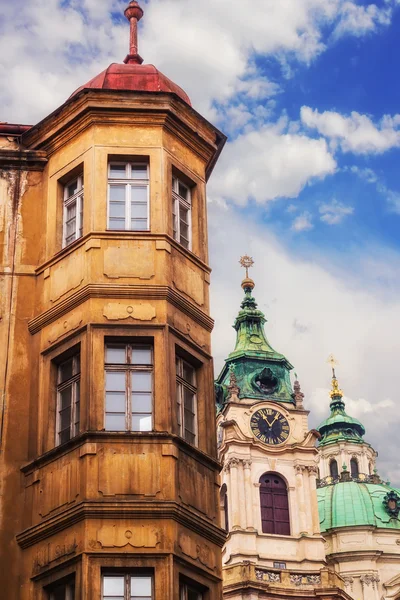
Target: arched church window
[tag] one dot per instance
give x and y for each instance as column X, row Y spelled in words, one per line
column 354, row 468
column 274, row 505
column 333, row 469
column 223, row 506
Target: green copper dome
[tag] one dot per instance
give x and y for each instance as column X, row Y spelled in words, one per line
column 258, row 371
column 351, row 503
column 339, row 426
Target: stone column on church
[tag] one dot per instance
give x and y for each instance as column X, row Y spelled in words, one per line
column 242, row 499
column 312, row 479
column 301, row 498
column 233, row 464
column 248, row 488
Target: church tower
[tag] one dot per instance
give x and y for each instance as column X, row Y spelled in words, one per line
column 108, row 458
column 268, row 496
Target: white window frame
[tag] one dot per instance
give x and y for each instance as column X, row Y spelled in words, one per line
column 128, row 367
column 179, row 202
column 181, row 385
column 128, row 182
column 127, row 583
column 69, row 591
column 74, row 383
column 78, row 199
column 185, row 588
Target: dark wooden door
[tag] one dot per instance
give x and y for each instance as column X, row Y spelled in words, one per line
column 274, row 505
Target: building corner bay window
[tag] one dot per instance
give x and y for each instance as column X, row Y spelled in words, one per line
column 73, row 210
column 181, row 213
column 186, row 398
column 128, row 196
column 127, row 587
column 128, row 387
column 68, row 399
column 62, row 591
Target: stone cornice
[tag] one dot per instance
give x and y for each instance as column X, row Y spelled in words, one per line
column 106, row 290
column 123, row 510
column 113, row 107
column 155, row 437
column 25, row 160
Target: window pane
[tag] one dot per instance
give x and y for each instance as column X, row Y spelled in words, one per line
column 184, row 231
column 139, row 193
column 139, row 225
column 72, row 188
column 65, row 370
column 193, row 595
column 188, row 372
column 115, row 381
column 141, row 586
column 116, row 224
column 115, row 402
column 65, row 398
column 189, row 401
column 117, row 209
column 142, row 403
column 141, row 356
column 117, row 171
column 141, row 423
column 183, row 214
column 116, row 355
column 71, row 210
column 141, row 381
column 138, row 211
column 183, row 191
column 117, row 193
column 113, row 585
column 115, row 422
column 139, row 172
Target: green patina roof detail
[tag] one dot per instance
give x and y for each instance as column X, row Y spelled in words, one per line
column 260, row 371
column 339, row 426
column 350, row 503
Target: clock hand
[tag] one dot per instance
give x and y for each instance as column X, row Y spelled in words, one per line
column 277, row 416
column 265, row 419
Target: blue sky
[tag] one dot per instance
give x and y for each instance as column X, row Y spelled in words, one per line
column 309, row 95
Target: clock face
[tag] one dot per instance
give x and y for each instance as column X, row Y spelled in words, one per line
column 270, row 426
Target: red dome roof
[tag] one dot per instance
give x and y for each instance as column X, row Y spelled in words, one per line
column 136, row 78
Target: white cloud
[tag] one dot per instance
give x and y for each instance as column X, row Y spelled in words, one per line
column 356, row 133
column 270, row 163
column 352, row 304
column 303, row 222
column 334, row 212
column 59, row 45
column 365, row 173
column 358, row 20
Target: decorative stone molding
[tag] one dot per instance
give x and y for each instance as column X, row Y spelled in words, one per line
column 269, row 576
column 299, row 469
column 300, row 579
column 369, row 579
column 348, row 582
column 313, row 470
column 247, row 462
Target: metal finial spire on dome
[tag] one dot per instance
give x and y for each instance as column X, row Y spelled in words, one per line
column 247, row 262
column 133, row 13
column 335, row 392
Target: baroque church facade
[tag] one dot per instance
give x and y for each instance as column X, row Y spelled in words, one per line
column 305, row 511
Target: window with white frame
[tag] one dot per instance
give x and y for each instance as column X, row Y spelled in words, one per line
column 127, row 587
column 68, row 398
column 181, row 213
column 62, row 591
column 189, row 592
column 186, row 399
column 128, row 196
column 129, row 387
column 73, row 210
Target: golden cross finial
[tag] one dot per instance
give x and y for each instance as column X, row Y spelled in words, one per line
column 247, row 262
column 335, row 392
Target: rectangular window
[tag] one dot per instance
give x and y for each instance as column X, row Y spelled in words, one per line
column 68, row 398
column 73, row 210
column 181, row 213
column 186, row 399
column 62, row 591
column 128, row 196
column 188, row 592
column 127, row 587
column 129, row 387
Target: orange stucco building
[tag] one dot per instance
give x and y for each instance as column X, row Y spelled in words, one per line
column 108, row 463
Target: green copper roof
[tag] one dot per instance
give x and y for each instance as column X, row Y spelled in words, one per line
column 260, row 372
column 339, row 426
column 351, row 503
